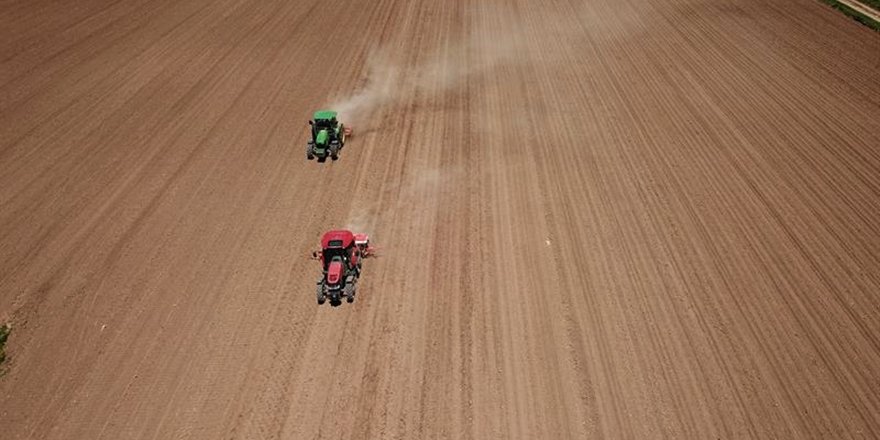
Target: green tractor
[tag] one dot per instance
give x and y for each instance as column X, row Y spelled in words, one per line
column 328, row 136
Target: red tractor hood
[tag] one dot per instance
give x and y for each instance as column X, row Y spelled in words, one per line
column 334, row 272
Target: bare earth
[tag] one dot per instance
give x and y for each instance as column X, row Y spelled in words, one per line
column 619, row 219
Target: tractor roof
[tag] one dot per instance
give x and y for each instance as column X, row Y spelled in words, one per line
column 324, row 114
column 337, row 239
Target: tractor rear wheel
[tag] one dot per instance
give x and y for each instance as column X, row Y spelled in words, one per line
column 320, row 294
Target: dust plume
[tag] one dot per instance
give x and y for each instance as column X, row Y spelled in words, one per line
column 496, row 37
column 389, row 79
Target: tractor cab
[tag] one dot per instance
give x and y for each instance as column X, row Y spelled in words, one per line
column 339, row 246
column 325, row 118
column 323, row 127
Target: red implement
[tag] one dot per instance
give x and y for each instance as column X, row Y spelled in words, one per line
column 362, row 241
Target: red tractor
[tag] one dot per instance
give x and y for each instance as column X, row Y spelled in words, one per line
column 340, row 255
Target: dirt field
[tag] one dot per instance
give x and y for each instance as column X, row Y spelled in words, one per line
column 604, row 218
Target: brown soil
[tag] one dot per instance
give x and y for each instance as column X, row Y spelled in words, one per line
column 651, row 219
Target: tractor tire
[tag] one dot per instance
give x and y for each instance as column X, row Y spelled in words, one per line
column 310, row 151
column 320, row 295
column 351, row 293
column 334, row 151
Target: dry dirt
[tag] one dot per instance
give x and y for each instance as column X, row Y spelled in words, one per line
column 606, row 218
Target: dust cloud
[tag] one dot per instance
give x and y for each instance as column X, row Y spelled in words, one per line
column 388, row 80
column 496, row 37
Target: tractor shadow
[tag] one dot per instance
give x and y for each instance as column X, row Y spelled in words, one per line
column 340, row 303
column 326, row 159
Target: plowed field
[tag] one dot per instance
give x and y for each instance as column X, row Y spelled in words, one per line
column 603, row 218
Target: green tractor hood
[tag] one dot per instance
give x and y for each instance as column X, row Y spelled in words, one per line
column 322, row 137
